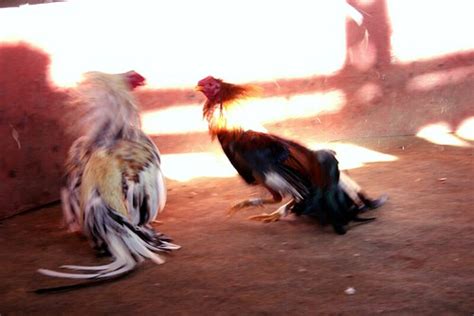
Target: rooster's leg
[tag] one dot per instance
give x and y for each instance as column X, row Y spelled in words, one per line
column 372, row 203
column 351, row 187
column 275, row 216
column 277, row 198
column 355, row 192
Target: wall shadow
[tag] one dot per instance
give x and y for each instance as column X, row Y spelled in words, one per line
column 34, row 143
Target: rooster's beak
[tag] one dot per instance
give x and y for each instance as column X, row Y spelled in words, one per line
column 198, row 88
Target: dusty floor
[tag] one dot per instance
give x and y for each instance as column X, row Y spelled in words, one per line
column 416, row 258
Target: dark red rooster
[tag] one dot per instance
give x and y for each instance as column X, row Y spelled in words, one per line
column 311, row 178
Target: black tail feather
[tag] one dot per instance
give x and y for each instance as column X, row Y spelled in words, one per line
column 373, row 204
column 363, row 219
column 331, row 204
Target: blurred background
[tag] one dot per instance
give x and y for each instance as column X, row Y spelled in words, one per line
column 330, row 71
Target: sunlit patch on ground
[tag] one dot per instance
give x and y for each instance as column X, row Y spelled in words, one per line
column 369, row 92
column 466, row 129
column 432, row 80
column 352, row 156
column 187, row 166
column 442, row 134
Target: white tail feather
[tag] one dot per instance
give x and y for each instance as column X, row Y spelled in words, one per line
column 121, row 248
column 115, row 264
column 123, row 240
column 57, row 274
column 171, row 246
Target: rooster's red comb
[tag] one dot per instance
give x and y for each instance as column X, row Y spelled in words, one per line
column 134, row 79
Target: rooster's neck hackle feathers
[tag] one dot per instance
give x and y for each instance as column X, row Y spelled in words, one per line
column 229, row 95
column 108, row 109
column 233, row 92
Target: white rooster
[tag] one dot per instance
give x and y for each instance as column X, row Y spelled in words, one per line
column 113, row 187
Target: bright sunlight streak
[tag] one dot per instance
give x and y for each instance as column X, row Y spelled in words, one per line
column 188, row 166
column 185, row 167
column 466, row 129
column 174, row 120
column 441, row 134
column 438, row 79
column 352, row 156
column 250, row 114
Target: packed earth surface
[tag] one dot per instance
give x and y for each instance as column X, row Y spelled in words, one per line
column 417, row 257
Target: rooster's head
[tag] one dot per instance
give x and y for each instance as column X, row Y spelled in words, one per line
column 134, row 79
column 221, row 94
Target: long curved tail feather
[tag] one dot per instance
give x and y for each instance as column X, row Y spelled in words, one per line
column 128, row 244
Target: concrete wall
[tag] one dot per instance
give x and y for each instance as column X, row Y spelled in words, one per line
column 394, row 74
column 33, row 142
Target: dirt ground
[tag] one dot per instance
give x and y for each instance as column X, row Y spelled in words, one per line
column 417, row 258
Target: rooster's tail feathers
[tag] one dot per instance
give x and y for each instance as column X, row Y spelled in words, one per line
column 127, row 243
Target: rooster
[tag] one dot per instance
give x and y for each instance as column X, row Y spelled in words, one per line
column 312, row 179
column 113, row 185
